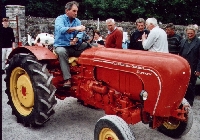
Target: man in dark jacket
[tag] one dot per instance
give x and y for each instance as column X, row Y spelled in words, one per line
column 7, row 41
column 136, row 37
column 190, row 50
column 173, row 39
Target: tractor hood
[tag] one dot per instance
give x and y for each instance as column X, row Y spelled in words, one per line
column 163, row 76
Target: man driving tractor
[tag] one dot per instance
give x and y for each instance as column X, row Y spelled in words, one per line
column 68, row 36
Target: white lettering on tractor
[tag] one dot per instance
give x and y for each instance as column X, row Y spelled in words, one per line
column 139, row 68
column 143, row 73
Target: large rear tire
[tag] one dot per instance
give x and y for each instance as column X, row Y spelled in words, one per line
column 30, row 92
column 112, row 127
column 174, row 128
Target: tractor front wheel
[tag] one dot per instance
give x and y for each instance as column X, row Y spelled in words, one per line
column 30, row 92
column 112, row 127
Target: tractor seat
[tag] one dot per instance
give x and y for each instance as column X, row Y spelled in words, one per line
column 72, row 60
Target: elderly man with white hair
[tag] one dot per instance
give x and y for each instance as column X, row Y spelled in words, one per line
column 115, row 36
column 157, row 38
column 190, row 50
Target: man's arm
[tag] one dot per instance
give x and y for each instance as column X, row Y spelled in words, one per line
column 63, row 29
column 182, row 42
column 119, row 37
column 79, row 35
column 197, row 73
column 77, row 28
column 179, row 40
column 148, row 42
column 132, row 41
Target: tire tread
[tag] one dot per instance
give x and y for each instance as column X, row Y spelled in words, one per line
column 44, row 91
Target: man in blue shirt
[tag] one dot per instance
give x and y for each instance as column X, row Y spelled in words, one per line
column 68, row 36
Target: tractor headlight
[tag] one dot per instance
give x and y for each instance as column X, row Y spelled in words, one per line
column 144, row 95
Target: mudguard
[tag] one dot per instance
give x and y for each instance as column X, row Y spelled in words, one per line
column 40, row 52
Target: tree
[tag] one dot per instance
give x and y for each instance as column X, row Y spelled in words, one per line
column 177, row 11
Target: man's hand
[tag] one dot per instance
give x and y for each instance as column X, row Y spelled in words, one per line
column 197, row 73
column 144, row 36
column 80, row 28
column 73, row 41
column 13, row 45
column 77, row 28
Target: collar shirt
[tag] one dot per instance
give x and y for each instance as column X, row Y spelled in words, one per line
column 156, row 41
column 62, row 24
column 109, row 32
column 99, row 39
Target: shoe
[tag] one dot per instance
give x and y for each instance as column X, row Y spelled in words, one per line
column 2, row 71
column 67, row 83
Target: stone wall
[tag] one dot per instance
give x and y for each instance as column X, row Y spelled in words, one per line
column 35, row 25
column 16, row 14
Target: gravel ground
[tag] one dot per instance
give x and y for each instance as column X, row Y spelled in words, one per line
column 72, row 121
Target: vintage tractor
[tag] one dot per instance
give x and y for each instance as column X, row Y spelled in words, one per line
column 129, row 85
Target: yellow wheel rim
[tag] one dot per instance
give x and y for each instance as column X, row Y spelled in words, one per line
column 21, row 91
column 107, row 134
column 171, row 125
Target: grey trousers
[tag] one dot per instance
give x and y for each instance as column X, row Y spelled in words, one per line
column 65, row 52
column 63, row 56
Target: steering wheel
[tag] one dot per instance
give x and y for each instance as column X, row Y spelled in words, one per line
column 89, row 34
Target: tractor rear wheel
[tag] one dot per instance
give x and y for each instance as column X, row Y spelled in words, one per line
column 112, row 127
column 30, row 92
column 175, row 128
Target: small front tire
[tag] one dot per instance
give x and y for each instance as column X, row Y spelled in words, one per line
column 112, row 127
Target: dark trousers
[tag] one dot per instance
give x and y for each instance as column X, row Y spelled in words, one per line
column 190, row 93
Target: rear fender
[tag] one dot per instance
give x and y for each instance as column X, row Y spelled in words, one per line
column 40, row 53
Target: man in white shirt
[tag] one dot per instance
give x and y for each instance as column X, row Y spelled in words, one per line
column 157, row 38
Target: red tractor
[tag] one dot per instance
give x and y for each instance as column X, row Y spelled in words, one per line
column 129, row 85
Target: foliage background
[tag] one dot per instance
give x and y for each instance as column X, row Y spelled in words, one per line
column 180, row 12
